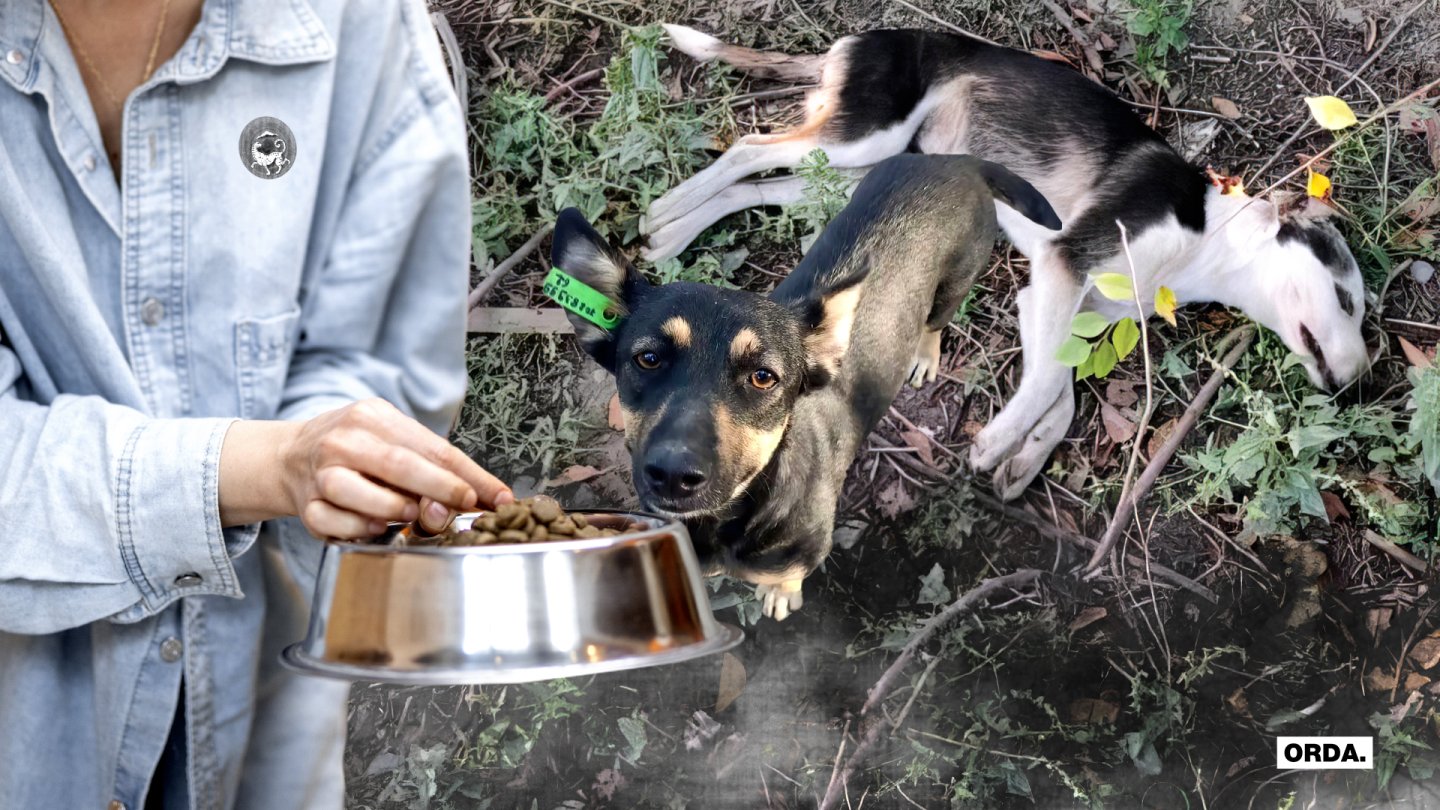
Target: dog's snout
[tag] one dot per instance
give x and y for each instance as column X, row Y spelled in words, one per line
column 673, row 471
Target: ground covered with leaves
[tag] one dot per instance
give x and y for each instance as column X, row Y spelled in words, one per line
column 1278, row 579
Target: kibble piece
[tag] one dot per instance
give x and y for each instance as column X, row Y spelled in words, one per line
column 486, row 523
column 469, row 537
column 564, row 526
column 513, row 536
column 486, row 538
column 545, row 510
column 539, row 534
column 580, row 521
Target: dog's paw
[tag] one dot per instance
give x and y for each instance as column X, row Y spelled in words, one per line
column 779, row 601
column 926, row 365
column 1015, row 474
column 990, row 447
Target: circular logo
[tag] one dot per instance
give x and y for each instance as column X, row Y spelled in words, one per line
column 267, row 147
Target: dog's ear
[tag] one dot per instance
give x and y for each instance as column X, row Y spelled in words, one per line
column 827, row 314
column 583, row 254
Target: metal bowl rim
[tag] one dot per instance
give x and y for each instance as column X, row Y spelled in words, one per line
column 539, row 547
column 294, row 658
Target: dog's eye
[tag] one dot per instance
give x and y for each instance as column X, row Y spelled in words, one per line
column 763, row 378
column 647, row 360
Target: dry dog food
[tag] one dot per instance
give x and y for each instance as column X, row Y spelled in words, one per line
column 530, row 520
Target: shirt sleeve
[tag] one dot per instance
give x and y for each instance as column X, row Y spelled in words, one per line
column 104, row 512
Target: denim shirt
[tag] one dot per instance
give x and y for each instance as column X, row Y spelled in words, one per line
column 139, row 319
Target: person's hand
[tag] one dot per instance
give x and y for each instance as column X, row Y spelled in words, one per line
column 349, row 472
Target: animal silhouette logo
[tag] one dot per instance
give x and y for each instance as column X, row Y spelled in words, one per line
column 267, row 148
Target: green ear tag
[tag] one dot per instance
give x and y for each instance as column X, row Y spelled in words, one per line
column 581, row 299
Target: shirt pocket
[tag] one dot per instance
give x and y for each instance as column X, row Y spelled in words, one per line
column 262, row 361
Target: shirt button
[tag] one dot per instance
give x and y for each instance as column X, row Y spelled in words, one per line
column 116, row 804
column 89, row 163
column 152, row 311
column 189, row 580
column 15, row 57
column 170, row 650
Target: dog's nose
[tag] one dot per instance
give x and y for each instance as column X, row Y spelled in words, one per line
column 674, row 472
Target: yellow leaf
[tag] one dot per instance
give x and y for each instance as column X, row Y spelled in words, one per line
column 1331, row 112
column 1318, row 186
column 1165, row 304
column 1114, row 286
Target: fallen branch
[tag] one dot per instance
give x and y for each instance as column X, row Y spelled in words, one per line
column 952, row 26
column 1131, row 502
column 882, row 688
column 1401, row 556
column 483, row 289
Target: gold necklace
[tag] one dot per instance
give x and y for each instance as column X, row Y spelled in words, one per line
column 100, row 77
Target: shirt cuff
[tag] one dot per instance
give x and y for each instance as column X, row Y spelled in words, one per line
column 168, row 514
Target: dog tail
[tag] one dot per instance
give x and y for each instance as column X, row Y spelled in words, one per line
column 1015, row 192
column 765, row 64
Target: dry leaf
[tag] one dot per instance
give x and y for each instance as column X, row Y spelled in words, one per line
column 732, row 682
column 922, row 445
column 1331, row 112
column 1119, row 427
column 1422, row 272
column 1426, row 653
column 1121, row 393
column 1414, row 354
column 1334, row 507
column 1414, row 680
column 1087, row 617
column 1379, row 680
column 1238, row 703
column 1225, row 107
column 576, row 473
column 1377, row 621
column 894, row 499
column 1158, row 437
column 616, row 416
column 1094, row 710
column 1240, row 764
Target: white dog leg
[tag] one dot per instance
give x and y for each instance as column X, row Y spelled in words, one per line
column 677, row 234
column 1016, row 472
column 781, row 599
column 749, row 155
column 1046, row 309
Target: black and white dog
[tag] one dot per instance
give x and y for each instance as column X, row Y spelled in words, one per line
column 885, row 92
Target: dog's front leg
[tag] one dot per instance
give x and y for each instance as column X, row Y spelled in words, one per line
column 1016, row 472
column 778, row 600
column 1046, row 309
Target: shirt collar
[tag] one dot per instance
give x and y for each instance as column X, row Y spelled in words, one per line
column 271, row 32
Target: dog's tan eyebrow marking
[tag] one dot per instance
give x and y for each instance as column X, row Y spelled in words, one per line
column 745, row 343
column 678, row 330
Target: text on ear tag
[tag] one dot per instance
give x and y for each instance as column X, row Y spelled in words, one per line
column 580, row 298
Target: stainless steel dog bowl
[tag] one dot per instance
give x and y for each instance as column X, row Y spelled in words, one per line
column 510, row 613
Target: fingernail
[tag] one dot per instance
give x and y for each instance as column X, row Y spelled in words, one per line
column 505, row 496
column 377, row 527
column 409, row 513
column 436, row 515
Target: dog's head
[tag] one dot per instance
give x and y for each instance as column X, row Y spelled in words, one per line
column 707, row 377
column 1317, row 295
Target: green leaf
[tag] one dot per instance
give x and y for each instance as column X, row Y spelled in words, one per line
column 1089, row 324
column 1073, row 351
column 1105, row 359
column 1114, row 286
column 634, row 730
column 1125, row 337
column 1086, row 368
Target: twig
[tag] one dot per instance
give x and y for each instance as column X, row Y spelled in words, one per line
column 1162, row 456
column 1401, row 556
column 841, row 776
column 952, row 26
column 1091, row 55
column 570, row 84
column 483, row 289
column 1125, row 488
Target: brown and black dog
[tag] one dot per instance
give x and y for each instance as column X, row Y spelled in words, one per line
column 743, row 411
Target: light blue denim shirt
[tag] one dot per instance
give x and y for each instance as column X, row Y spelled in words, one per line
column 140, row 318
